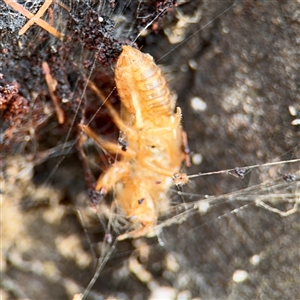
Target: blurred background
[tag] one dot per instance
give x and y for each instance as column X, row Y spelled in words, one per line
column 234, row 66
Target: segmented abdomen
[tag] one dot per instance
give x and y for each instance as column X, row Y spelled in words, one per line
column 138, row 76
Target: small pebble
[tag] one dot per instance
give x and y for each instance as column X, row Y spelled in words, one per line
column 197, row 159
column 198, row 104
column 239, row 276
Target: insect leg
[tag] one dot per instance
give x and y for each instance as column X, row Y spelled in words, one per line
column 106, row 145
column 145, row 230
column 118, row 171
column 88, row 175
column 186, row 149
column 112, row 112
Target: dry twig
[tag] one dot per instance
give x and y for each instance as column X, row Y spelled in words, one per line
column 51, row 83
column 34, row 18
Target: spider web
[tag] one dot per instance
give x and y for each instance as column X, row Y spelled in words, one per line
column 216, row 242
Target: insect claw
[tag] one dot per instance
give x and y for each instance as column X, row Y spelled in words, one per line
column 180, row 179
column 96, row 197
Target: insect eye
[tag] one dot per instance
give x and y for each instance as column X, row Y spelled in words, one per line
column 140, row 201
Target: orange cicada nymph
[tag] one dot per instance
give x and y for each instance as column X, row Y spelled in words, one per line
column 152, row 149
